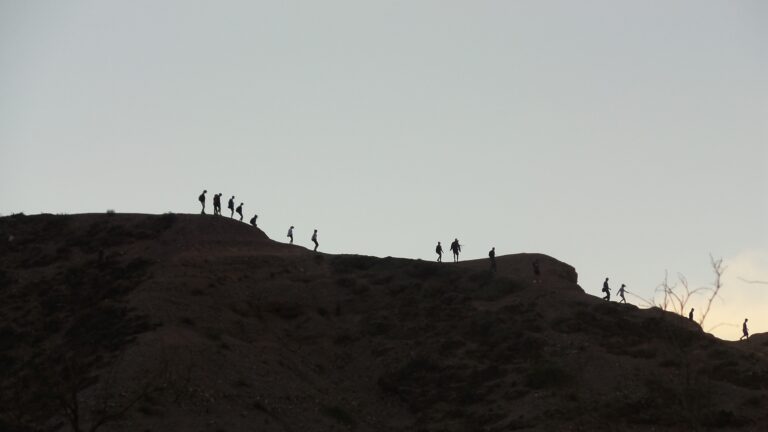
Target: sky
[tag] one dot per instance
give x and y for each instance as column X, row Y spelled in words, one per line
column 626, row 138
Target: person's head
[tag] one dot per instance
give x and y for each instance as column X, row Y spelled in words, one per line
column 606, row 279
column 746, row 319
column 622, row 285
column 205, row 191
column 493, row 248
column 291, row 226
column 315, row 230
column 241, row 203
column 438, row 242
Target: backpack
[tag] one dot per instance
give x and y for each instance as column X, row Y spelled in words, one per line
column 201, row 198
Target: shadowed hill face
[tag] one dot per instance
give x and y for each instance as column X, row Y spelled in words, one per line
column 180, row 323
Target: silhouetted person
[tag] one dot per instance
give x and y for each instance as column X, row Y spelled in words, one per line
column 690, row 315
column 201, row 198
column 439, row 252
column 217, row 204
column 290, row 233
column 606, row 290
column 314, row 240
column 253, row 220
column 231, row 206
column 492, row 256
column 536, row 271
column 456, row 249
column 745, row 330
column 620, row 292
column 240, row 211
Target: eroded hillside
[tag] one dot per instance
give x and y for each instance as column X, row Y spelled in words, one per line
column 200, row 323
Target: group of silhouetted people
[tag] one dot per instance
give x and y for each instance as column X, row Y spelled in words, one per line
column 230, row 206
column 239, row 211
column 620, row 292
column 455, row 248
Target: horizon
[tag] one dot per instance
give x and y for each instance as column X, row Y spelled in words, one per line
column 625, row 139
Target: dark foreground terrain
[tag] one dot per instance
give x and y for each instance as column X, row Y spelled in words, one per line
column 198, row 323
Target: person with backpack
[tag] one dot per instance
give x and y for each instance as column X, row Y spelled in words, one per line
column 314, row 240
column 253, row 220
column 492, row 256
column 439, row 252
column 201, row 198
column 290, row 234
column 456, row 249
column 744, row 330
column 240, row 211
column 231, row 207
column 606, row 290
column 217, row 204
column 620, row 292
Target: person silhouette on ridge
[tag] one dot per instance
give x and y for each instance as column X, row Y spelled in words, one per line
column 744, row 330
column 231, row 207
column 201, row 198
column 290, row 234
column 492, row 256
column 620, row 292
column 455, row 248
column 253, row 220
column 606, row 290
column 314, row 240
column 690, row 315
column 439, row 252
column 217, row 204
column 240, row 211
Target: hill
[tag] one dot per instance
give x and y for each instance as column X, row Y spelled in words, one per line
column 199, row 323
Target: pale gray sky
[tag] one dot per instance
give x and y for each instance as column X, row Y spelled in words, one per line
column 624, row 138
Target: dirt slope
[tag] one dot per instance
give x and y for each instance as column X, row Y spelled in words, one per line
column 200, row 323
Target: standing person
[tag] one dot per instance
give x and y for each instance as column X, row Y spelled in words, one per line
column 690, row 315
column 217, row 204
column 201, row 198
column 492, row 256
column 231, row 206
column 290, row 234
column 240, row 211
column 455, row 248
column 439, row 252
column 314, row 240
column 253, row 220
column 536, row 271
column 621, row 293
column 606, row 290
column 745, row 330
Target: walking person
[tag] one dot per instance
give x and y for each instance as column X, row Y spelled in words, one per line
column 240, row 211
column 290, row 234
column 439, row 252
column 201, row 198
column 606, row 290
column 492, row 256
column 744, row 330
column 536, row 271
column 456, row 249
column 621, row 293
column 314, row 240
column 231, row 207
column 217, row 204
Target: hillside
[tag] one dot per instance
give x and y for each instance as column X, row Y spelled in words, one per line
column 199, row 323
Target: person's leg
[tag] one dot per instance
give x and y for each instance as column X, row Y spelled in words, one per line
column 316, row 244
